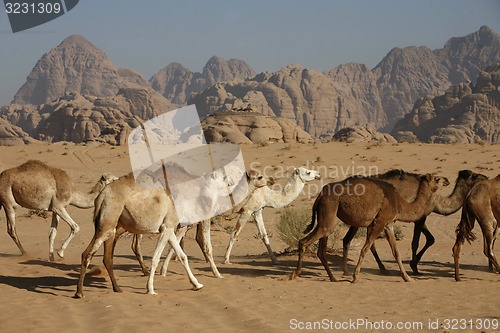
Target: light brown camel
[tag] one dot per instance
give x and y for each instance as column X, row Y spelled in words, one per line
column 268, row 197
column 364, row 202
column 483, row 204
column 254, row 180
column 126, row 206
column 407, row 184
column 35, row 185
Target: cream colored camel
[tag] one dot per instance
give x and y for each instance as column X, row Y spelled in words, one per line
column 483, row 204
column 126, row 206
column 364, row 202
column 254, row 180
column 267, row 197
column 407, row 185
column 35, row 185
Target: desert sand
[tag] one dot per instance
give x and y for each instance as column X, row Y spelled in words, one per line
column 254, row 295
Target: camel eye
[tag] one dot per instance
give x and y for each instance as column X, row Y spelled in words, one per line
column 308, row 172
column 260, row 177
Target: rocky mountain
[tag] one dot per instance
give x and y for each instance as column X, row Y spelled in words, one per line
column 250, row 127
column 352, row 94
column 81, row 118
column 75, row 66
column 465, row 113
column 177, row 83
column 307, row 97
column 405, row 75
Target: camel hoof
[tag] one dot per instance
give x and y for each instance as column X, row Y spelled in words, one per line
column 78, row 295
column 198, row 287
column 406, row 278
column 152, row 292
column 51, row 257
column 458, row 279
column 227, row 262
column 219, row 276
column 60, row 253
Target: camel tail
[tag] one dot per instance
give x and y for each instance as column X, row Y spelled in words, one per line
column 464, row 228
column 98, row 210
column 313, row 223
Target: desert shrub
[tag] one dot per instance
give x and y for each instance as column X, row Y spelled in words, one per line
column 293, row 222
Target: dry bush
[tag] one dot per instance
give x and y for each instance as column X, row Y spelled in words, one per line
column 291, row 226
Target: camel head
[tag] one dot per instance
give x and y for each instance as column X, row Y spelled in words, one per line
column 436, row 182
column 256, row 179
column 107, row 178
column 306, row 175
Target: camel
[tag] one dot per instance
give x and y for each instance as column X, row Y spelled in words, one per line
column 364, row 202
column 267, row 197
column 407, row 185
column 35, row 185
column 123, row 206
column 482, row 204
column 254, row 180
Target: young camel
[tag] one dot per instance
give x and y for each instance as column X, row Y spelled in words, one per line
column 254, row 180
column 364, row 202
column 267, row 197
column 407, row 185
column 483, row 204
column 35, row 185
column 126, row 206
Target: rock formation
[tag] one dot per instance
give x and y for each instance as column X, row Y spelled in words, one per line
column 177, row 83
column 75, row 66
column 247, row 127
column 11, row 135
column 362, row 133
column 466, row 113
column 81, row 118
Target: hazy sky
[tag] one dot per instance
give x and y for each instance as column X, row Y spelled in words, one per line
column 147, row 35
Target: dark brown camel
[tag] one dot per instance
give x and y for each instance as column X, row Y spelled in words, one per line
column 364, row 202
column 482, row 204
column 407, row 185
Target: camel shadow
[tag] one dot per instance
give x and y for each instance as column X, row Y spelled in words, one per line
column 48, row 284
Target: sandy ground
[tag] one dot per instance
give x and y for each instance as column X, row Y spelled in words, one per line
column 254, row 295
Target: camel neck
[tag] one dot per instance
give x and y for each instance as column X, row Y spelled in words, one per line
column 452, row 203
column 412, row 211
column 290, row 191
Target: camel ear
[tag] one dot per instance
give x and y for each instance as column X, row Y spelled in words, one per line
column 296, row 171
column 429, row 177
column 248, row 175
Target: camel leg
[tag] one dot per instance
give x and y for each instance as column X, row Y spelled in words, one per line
column 237, row 229
column 346, row 241
column 136, row 248
column 184, row 259
column 52, row 234
column 381, row 266
column 87, row 255
column 372, row 232
column 109, row 249
column 304, row 243
column 490, row 263
column 489, row 235
column 180, row 233
column 10, row 214
column 263, row 234
column 204, row 241
column 420, row 228
column 61, row 211
column 323, row 243
column 391, row 238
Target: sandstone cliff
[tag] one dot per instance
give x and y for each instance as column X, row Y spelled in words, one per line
column 466, row 113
